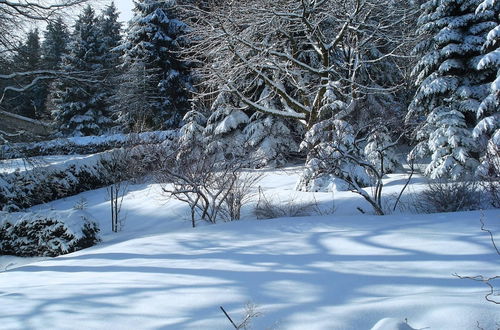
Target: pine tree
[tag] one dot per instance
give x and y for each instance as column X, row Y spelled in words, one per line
column 449, row 86
column 80, row 104
column 151, row 48
column 330, row 165
column 487, row 130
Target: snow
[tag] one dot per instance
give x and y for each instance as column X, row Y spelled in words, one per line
column 87, row 144
column 337, row 271
column 22, row 164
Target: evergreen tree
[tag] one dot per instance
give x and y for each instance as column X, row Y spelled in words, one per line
column 55, row 44
column 80, row 104
column 487, row 130
column 224, row 129
column 151, row 50
column 110, row 38
column 29, row 103
column 449, row 87
column 192, row 141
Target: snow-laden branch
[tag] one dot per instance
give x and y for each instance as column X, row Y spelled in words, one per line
column 40, row 75
column 299, row 50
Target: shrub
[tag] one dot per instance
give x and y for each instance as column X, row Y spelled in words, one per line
column 47, row 235
column 267, row 208
column 449, row 196
column 23, row 189
column 85, row 145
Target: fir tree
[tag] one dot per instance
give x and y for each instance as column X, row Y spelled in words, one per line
column 80, row 104
column 449, row 87
column 151, row 48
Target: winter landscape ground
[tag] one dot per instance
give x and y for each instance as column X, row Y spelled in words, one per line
column 333, row 105
column 340, row 270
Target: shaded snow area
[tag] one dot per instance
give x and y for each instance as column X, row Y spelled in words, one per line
column 343, row 270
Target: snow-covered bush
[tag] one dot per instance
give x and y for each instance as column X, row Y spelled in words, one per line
column 489, row 170
column 85, row 145
column 19, row 190
column 449, row 196
column 269, row 140
column 354, row 158
column 47, row 234
column 274, row 207
column 214, row 189
column 329, row 142
column 223, row 131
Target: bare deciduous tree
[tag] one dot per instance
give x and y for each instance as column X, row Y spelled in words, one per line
column 298, row 51
column 116, row 164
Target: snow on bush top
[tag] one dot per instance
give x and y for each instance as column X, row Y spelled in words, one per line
column 72, row 219
column 84, row 144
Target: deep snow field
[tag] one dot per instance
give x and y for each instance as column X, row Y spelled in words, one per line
column 340, row 270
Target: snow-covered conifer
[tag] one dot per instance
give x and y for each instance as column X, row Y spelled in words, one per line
column 332, row 156
column 224, row 129
column 55, row 43
column 110, row 36
column 152, row 43
column 110, row 40
column 380, row 151
column 29, row 103
column 80, row 104
column 487, row 130
column 449, row 87
column 192, row 139
column 270, row 139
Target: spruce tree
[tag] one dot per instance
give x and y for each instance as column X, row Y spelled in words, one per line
column 80, row 103
column 151, row 48
column 55, row 44
column 54, row 47
column 110, row 38
column 487, row 130
column 29, row 103
column 449, row 86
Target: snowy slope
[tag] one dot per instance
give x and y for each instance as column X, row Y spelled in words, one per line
column 340, row 271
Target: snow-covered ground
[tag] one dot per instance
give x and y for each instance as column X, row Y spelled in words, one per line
column 343, row 270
